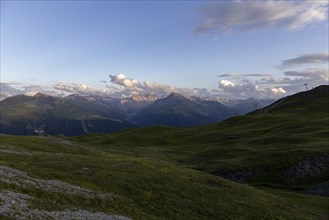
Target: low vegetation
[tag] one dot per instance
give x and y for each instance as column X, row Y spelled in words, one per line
column 138, row 187
column 278, row 154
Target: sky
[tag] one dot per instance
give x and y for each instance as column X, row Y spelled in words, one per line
column 226, row 49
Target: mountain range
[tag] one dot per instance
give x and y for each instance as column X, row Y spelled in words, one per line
column 283, row 145
column 271, row 163
column 76, row 114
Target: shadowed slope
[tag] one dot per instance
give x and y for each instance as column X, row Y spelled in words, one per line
column 283, row 145
column 65, row 177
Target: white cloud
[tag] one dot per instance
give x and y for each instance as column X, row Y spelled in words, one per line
column 7, row 90
column 19, row 88
column 271, row 87
column 278, row 90
column 34, row 89
column 128, row 83
column 125, row 87
column 226, row 83
column 228, row 16
column 83, row 89
column 248, row 88
column 130, row 86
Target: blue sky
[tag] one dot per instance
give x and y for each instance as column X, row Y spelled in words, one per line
column 164, row 46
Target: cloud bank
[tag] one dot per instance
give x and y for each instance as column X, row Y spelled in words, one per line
column 238, row 75
column 246, row 16
column 310, row 73
column 315, row 59
column 129, row 86
column 249, row 88
column 307, row 68
column 76, row 88
column 15, row 88
column 268, row 87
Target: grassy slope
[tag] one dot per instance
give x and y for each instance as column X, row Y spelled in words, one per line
column 237, row 143
column 22, row 114
column 268, row 140
column 144, row 188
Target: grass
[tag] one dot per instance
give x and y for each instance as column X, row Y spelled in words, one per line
column 166, row 173
column 267, row 141
column 252, row 141
column 141, row 188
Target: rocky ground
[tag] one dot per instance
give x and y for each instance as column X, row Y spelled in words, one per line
column 16, row 205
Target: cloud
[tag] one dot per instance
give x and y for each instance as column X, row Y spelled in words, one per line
column 315, row 58
column 248, row 88
column 228, row 16
column 242, row 75
column 310, row 73
column 270, row 87
column 124, row 87
column 226, row 83
column 31, row 90
column 130, row 86
column 122, row 80
column 278, row 91
column 19, row 88
column 75, row 88
column 7, row 90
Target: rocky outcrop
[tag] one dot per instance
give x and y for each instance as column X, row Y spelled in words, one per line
column 308, row 167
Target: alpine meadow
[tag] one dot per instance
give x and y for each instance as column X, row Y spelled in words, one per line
column 119, row 110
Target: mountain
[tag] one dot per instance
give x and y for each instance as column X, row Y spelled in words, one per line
column 305, row 103
column 244, row 106
column 25, row 115
column 131, row 106
column 177, row 110
column 107, row 107
column 269, row 164
column 7, row 91
column 284, row 145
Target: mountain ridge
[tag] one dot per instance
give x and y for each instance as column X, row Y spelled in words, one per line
column 22, row 112
column 285, row 147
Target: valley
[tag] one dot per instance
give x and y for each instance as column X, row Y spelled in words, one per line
column 269, row 164
column 76, row 115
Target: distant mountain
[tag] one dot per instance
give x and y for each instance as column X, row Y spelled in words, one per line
column 177, row 110
column 106, row 107
column 131, row 106
column 24, row 115
column 7, row 91
column 284, row 145
column 244, row 106
column 78, row 114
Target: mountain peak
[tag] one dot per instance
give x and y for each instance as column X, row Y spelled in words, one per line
column 175, row 95
column 147, row 97
column 39, row 94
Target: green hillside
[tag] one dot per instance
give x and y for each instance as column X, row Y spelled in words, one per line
column 130, row 186
column 275, row 158
column 22, row 115
column 273, row 146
